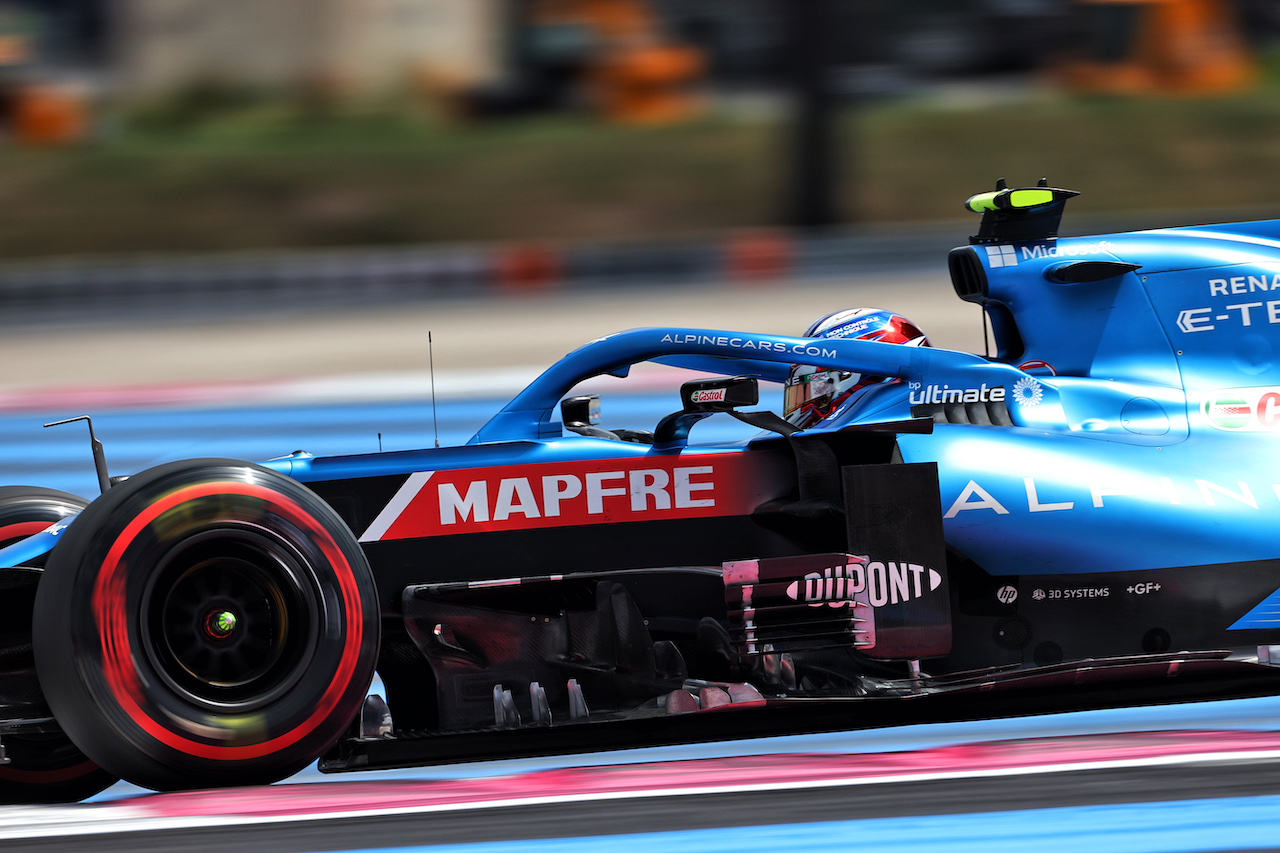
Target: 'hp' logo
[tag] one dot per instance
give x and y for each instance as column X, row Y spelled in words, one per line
column 1007, row 594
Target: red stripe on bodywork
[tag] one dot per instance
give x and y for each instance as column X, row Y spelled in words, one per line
column 598, row 491
column 23, row 529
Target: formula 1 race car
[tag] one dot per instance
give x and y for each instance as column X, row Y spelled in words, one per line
column 1091, row 504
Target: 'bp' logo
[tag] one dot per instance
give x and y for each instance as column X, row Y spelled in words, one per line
column 1243, row 409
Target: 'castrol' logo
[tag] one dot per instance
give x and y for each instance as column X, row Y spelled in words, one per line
column 708, row 395
column 883, row 582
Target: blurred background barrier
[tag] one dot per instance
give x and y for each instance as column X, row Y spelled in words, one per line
column 74, row 290
column 80, row 289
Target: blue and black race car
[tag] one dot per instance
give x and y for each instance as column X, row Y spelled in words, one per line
column 1091, row 503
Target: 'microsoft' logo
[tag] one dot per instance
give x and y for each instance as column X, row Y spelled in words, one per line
column 1243, row 409
column 1001, row 256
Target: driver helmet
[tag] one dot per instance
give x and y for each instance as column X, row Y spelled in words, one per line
column 813, row 393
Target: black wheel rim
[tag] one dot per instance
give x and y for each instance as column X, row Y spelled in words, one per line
column 228, row 617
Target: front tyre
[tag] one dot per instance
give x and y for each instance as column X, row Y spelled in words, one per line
column 207, row 622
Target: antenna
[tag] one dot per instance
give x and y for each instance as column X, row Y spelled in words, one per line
column 431, row 366
column 99, row 457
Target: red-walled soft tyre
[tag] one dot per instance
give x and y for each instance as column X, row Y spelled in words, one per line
column 43, row 767
column 205, row 623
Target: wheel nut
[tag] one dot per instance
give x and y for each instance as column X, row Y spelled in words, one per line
column 220, row 624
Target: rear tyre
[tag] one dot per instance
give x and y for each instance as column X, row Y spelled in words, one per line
column 25, row 510
column 207, row 622
column 43, row 767
column 47, row 767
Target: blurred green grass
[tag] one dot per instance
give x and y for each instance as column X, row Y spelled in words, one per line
column 216, row 171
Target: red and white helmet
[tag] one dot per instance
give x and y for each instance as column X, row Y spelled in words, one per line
column 812, row 393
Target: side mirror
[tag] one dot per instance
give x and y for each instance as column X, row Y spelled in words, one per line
column 580, row 411
column 720, row 395
column 704, row 397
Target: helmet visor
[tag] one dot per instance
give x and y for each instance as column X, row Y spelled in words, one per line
column 808, row 389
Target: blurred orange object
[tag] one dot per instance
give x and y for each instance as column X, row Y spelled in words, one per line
column 634, row 73
column 648, row 84
column 14, row 49
column 527, row 267
column 1181, row 46
column 45, row 114
column 757, row 256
